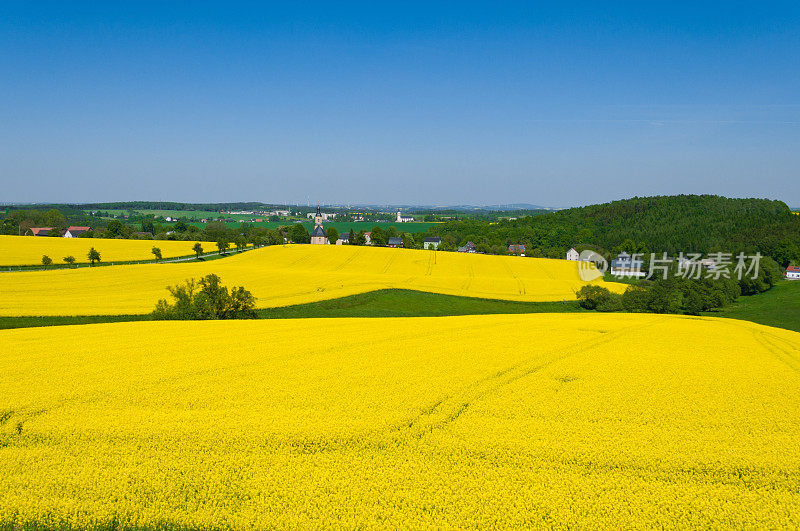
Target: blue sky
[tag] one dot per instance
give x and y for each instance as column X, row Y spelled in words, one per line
column 452, row 103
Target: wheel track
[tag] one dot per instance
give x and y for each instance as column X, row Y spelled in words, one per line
column 447, row 409
column 470, row 277
column 389, row 262
column 349, row 260
column 773, row 346
column 520, row 284
column 431, row 263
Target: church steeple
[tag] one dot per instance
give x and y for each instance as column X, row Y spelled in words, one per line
column 318, row 234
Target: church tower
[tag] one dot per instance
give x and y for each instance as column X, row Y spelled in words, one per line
column 318, row 237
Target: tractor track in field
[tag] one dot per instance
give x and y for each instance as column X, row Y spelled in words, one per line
column 449, row 408
column 470, row 277
column 349, row 260
column 431, row 263
column 520, row 284
column 389, row 262
column 783, row 352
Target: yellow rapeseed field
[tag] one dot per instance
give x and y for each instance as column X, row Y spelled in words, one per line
column 28, row 250
column 292, row 274
column 571, row 420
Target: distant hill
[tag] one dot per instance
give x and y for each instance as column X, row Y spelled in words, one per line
column 688, row 223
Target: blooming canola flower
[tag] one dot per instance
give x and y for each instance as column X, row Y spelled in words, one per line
column 293, row 274
column 570, row 420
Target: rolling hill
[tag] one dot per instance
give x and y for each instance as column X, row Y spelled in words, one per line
column 293, row 274
column 473, row 421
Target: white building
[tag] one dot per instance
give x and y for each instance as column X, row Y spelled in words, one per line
column 625, row 266
column 573, row 255
column 74, row 232
column 432, row 242
column 793, row 273
column 403, row 219
column 326, row 216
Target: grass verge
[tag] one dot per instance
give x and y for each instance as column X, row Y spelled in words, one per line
column 382, row 303
column 780, row 306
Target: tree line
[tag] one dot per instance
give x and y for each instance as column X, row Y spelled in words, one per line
column 674, row 293
column 671, row 224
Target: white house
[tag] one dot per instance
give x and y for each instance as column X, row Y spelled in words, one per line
column 625, row 266
column 403, row 219
column 793, row 273
column 74, row 232
column 573, row 255
column 432, row 242
column 326, row 216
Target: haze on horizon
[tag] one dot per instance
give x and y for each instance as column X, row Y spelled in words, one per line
column 457, row 103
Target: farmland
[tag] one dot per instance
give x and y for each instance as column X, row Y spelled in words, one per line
column 293, row 274
column 529, row 420
column 342, row 227
column 25, row 250
column 193, row 217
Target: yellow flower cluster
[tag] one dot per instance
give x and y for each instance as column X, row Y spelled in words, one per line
column 572, row 420
column 28, row 250
column 294, row 274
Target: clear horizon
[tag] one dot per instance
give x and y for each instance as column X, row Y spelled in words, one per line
column 448, row 104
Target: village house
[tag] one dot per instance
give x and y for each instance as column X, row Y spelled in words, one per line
column 344, row 239
column 368, row 240
column 39, row 231
column 395, row 242
column 326, row 216
column 432, row 242
column 469, row 247
column 625, row 266
column 74, row 232
column 318, row 236
column 573, row 255
column 793, row 273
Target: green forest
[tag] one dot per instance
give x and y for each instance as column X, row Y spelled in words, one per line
column 671, row 224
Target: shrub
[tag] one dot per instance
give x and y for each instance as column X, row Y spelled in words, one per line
column 206, row 299
column 591, row 296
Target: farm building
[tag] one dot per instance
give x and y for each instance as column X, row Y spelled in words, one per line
column 39, row 231
column 469, row 247
column 74, row 232
column 793, row 273
column 318, row 236
column 432, row 242
column 625, row 266
column 573, row 255
column 516, row 248
column 395, row 242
